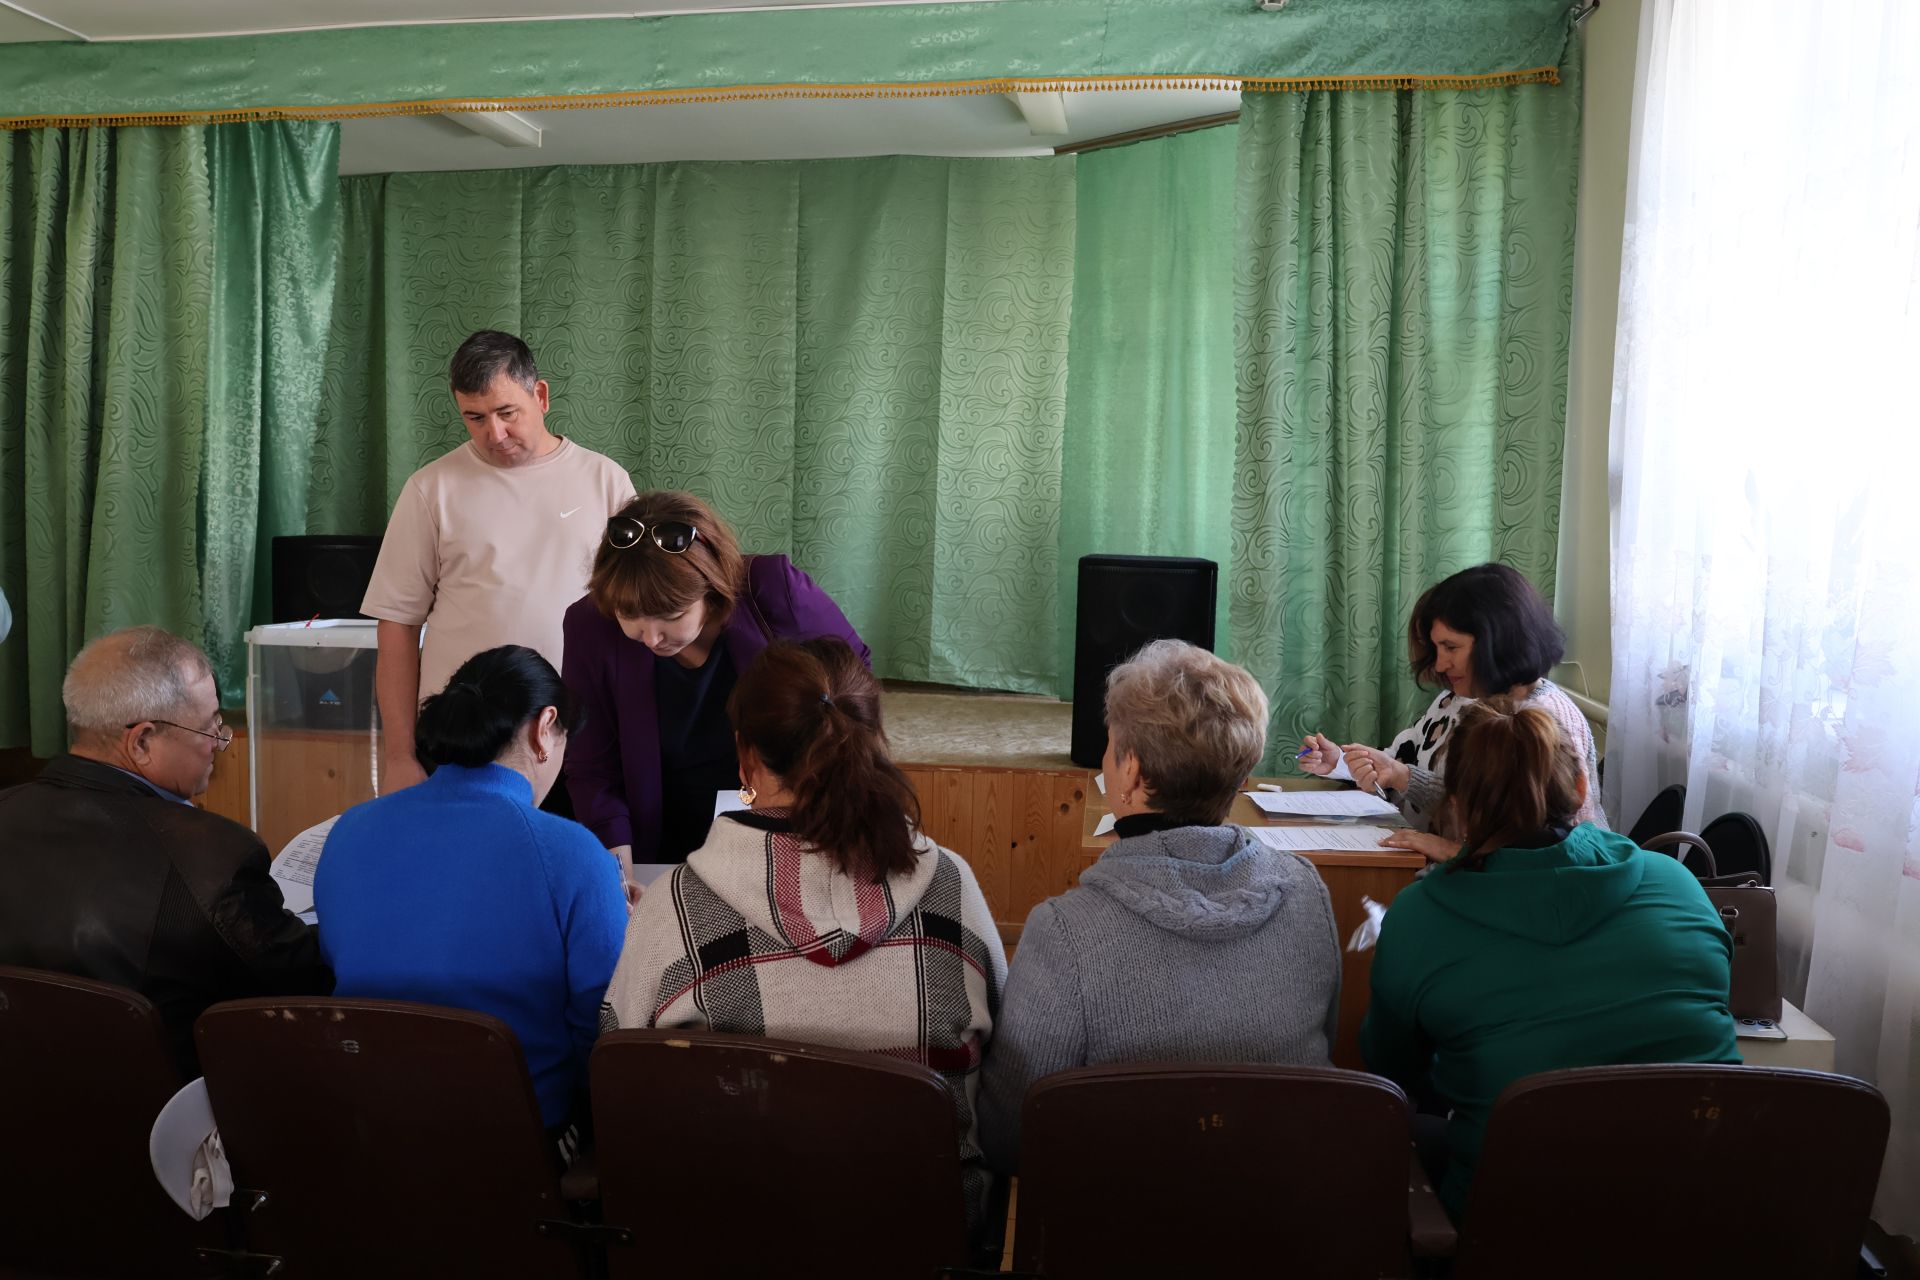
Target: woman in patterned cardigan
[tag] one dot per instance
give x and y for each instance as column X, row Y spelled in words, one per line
column 820, row 913
column 1481, row 632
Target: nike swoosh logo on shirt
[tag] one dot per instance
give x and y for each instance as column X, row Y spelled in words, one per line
column 565, row 514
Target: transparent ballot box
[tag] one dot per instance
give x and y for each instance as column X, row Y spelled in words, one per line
column 313, row 726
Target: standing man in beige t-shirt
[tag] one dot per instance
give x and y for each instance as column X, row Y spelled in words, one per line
column 488, row 545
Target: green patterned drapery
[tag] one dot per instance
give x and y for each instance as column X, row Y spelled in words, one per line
column 837, row 51
column 1405, row 268
column 860, row 363
column 127, row 450
column 276, row 217
column 1150, row 404
column 878, row 366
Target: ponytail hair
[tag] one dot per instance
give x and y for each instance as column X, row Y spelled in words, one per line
column 811, row 710
column 1510, row 773
column 487, row 704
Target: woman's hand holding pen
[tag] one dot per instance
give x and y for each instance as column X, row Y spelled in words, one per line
column 1320, row 755
column 1374, row 770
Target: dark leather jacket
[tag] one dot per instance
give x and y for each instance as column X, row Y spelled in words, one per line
column 102, row 877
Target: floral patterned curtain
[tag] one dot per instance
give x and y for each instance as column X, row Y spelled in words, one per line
column 1766, row 584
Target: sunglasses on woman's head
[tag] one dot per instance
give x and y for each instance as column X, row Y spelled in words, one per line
column 671, row 536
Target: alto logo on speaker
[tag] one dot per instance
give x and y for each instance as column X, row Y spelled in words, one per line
column 329, row 699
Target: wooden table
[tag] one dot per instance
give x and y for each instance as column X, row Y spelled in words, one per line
column 1350, row 874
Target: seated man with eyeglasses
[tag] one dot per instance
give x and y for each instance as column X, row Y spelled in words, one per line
column 109, row 872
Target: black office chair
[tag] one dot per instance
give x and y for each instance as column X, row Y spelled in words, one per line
column 1662, row 814
column 1739, row 845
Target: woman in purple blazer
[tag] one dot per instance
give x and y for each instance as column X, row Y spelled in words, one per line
column 673, row 616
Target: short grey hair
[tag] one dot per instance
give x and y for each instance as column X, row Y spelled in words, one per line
column 1197, row 725
column 486, row 355
column 129, row 675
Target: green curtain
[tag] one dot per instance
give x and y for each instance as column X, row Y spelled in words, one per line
column 110, row 299
column 398, row 69
column 1150, row 404
column 276, row 207
column 105, row 282
column 1404, row 285
column 861, row 363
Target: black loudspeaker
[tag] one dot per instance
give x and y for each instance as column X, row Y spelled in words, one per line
column 1124, row 602
column 321, row 575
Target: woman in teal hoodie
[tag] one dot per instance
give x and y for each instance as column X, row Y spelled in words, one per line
column 1542, row 944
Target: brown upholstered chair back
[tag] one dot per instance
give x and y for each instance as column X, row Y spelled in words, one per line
column 389, row 1138
column 83, row 1072
column 1674, row 1170
column 1203, row 1171
column 735, row 1156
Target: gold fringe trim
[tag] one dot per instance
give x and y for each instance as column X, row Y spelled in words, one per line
column 775, row 92
column 1497, row 80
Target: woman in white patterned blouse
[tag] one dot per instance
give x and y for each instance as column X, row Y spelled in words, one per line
column 1483, row 631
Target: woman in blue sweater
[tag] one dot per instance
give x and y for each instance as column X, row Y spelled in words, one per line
column 461, row 892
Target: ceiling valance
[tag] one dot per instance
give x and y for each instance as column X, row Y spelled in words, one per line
column 985, row 46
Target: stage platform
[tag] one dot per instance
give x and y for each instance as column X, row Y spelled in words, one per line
column 935, row 725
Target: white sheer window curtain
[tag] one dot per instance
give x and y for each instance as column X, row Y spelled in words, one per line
column 1766, row 456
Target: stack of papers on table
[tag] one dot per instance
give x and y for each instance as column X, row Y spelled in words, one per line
column 1322, row 804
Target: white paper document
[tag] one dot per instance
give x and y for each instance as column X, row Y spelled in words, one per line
column 1298, row 838
column 1105, row 825
column 1323, row 804
column 727, row 802
column 293, row 869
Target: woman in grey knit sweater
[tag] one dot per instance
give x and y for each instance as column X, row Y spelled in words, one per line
column 1189, row 940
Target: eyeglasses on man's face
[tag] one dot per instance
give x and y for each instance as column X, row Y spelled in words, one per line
column 220, row 733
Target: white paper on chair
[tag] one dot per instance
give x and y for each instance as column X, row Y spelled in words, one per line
column 293, row 869
column 1323, row 804
column 1309, row 837
column 1105, row 825
column 186, row 1154
column 1368, row 932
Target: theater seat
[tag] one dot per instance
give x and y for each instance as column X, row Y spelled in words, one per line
column 83, row 1072
column 1739, row 845
column 1603, row 1172
column 1158, row 1170
column 377, row 1138
column 732, row 1156
column 1663, row 813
